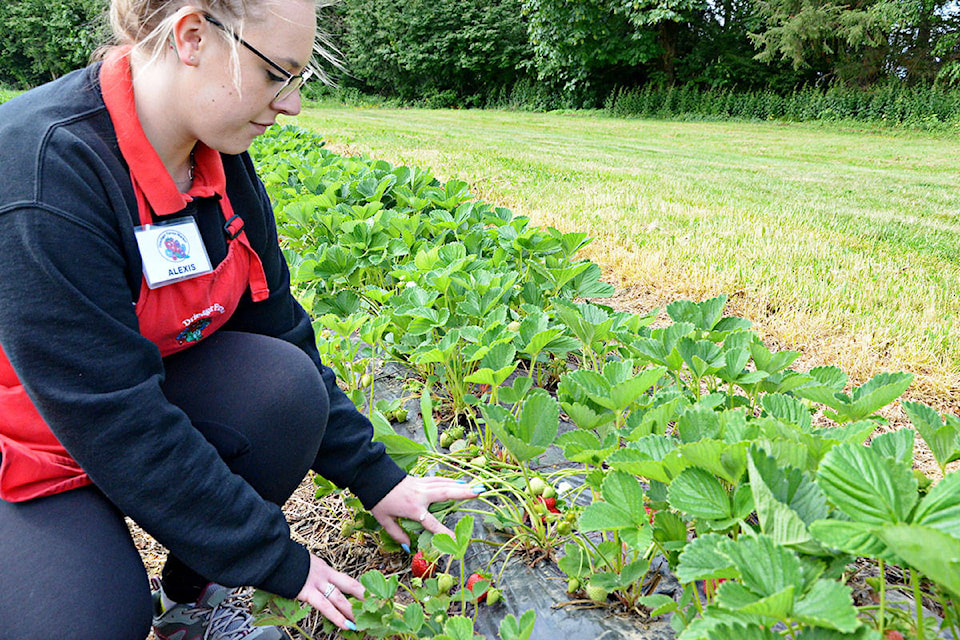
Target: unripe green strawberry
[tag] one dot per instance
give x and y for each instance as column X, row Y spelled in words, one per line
column 573, row 585
column 446, row 439
column 513, row 326
column 479, row 461
column 416, row 583
column 456, row 432
column 596, row 593
column 493, row 596
column 401, row 415
column 537, row 486
column 348, row 528
column 445, row 582
column 366, row 380
column 549, row 491
column 564, row 528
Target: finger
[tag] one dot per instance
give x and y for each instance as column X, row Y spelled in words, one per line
column 433, row 525
column 347, row 585
column 394, row 530
column 441, row 492
column 329, row 610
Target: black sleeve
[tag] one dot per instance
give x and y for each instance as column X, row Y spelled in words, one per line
column 69, row 329
column 348, row 457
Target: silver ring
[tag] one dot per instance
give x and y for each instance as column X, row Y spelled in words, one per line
column 425, row 514
column 328, row 591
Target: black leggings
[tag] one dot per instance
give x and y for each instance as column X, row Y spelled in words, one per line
column 68, row 567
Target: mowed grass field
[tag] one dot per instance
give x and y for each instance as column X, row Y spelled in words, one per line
column 841, row 243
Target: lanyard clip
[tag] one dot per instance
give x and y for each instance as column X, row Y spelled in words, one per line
column 233, row 230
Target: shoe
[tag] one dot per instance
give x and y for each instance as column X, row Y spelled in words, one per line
column 214, row 616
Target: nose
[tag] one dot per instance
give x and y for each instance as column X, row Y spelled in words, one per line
column 289, row 105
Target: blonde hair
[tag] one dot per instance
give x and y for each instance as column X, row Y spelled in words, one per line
column 148, row 24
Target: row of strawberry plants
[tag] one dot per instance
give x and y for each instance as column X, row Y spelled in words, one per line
column 693, row 441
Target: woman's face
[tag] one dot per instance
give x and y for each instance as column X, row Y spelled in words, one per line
column 226, row 118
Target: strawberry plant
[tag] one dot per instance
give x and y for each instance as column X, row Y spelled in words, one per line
column 692, row 440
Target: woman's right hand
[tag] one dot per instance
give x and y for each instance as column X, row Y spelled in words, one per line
column 326, row 590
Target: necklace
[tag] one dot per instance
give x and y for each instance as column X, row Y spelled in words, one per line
column 186, row 183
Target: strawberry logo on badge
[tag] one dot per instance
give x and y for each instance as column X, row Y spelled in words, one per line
column 173, row 246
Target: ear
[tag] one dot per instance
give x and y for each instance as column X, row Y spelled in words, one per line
column 189, row 33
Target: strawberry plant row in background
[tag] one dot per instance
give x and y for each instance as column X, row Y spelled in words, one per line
column 693, row 441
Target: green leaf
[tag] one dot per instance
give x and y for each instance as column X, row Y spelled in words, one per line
column 658, row 604
column 413, row 617
column 828, row 604
column 731, row 631
column 459, row 628
column 866, row 485
column 777, row 520
column 933, row 552
column 895, row 444
column 727, row 461
column 703, row 315
column 603, row 516
column 575, row 562
column 378, row 585
column 765, row 567
column 637, row 538
column 877, row 393
column 858, row 538
column 426, row 412
column 736, row 597
column 701, row 559
column 699, row 494
column 943, row 439
column 940, row 509
column 625, row 393
column 788, row 409
column 698, row 423
column 272, row 610
column 513, row 629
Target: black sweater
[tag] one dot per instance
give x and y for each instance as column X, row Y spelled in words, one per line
column 70, row 273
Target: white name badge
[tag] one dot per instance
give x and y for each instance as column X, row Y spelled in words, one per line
column 171, row 252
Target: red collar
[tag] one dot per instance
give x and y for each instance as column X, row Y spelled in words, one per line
column 146, row 168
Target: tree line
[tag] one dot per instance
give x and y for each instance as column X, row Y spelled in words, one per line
column 568, row 53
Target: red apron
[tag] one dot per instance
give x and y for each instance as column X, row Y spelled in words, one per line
column 174, row 317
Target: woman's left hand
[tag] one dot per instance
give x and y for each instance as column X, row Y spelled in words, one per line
column 411, row 499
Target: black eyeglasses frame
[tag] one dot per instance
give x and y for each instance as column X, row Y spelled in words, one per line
column 293, row 80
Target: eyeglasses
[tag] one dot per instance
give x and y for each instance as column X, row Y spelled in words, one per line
column 292, row 82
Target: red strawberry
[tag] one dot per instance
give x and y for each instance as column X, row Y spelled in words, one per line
column 650, row 513
column 420, row 568
column 550, row 503
column 474, row 579
column 893, row 634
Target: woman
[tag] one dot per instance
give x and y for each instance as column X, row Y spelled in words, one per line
column 153, row 363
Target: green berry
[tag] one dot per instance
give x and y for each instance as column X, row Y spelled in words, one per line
column 401, row 415
column 596, row 593
column 416, row 583
column 446, row 439
column 493, row 596
column 573, row 585
column 549, row 491
column 537, row 486
column 444, row 582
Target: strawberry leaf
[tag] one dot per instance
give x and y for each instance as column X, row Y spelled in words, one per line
column 702, row 560
column 700, row 494
column 935, row 553
column 866, row 485
column 828, row 604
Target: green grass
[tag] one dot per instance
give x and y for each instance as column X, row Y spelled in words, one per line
column 836, row 240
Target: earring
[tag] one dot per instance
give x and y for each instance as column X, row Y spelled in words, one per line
column 193, row 58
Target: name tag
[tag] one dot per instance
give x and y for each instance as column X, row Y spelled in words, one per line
column 171, row 252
